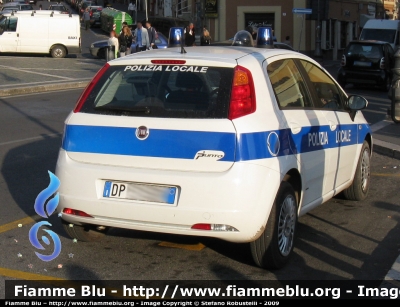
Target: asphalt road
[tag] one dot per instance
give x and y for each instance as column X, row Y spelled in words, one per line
column 339, row 240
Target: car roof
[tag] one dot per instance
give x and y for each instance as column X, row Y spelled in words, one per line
column 220, row 54
column 12, row 4
column 370, row 41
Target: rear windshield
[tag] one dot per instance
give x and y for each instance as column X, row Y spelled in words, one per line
column 171, row 91
column 385, row 35
column 365, row 50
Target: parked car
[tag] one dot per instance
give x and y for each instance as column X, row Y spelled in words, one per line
column 95, row 14
column 98, row 49
column 83, row 5
column 16, row 6
column 230, row 143
column 367, row 62
column 59, row 7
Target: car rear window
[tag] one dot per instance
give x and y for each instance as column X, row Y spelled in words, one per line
column 169, row 91
column 365, row 50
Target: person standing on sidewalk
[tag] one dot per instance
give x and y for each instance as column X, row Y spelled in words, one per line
column 152, row 35
column 142, row 38
column 131, row 9
column 125, row 41
column 190, row 37
column 86, row 19
column 113, row 41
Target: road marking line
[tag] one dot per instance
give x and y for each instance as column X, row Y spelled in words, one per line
column 36, row 73
column 191, row 247
column 30, row 139
column 385, row 175
column 14, row 224
column 26, row 275
column 43, row 82
column 380, row 125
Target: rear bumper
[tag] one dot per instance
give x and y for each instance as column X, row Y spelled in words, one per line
column 377, row 77
column 241, row 197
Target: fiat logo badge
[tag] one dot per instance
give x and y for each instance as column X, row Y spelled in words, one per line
column 142, row 133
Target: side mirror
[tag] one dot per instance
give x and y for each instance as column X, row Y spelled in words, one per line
column 355, row 103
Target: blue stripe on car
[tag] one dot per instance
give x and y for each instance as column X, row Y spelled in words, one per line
column 184, row 144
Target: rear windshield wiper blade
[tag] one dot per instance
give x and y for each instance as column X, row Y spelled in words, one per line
column 145, row 110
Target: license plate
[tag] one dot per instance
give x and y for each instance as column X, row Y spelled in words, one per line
column 364, row 64
column 141, row 192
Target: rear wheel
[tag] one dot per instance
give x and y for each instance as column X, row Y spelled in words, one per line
column 58, row 51
column 87, row 233
column 360, row 186
column 273, row 249
column 101, row 53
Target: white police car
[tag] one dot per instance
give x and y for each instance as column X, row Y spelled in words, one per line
column 227, row 142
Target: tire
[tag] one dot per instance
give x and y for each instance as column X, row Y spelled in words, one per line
column 101, row 53
column 58, row 52
column 87, row 233
column 360, row 186
column 273, row 249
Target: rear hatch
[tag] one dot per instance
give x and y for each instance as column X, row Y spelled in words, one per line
column 362, row 56
column 158, row 114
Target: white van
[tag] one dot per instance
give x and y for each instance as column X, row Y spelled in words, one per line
column 44, row 32
column 382, row 30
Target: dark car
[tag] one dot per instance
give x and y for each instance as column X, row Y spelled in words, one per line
column 98, row 49
column 95, row 14
column 58, row 7
column 163, row 24
column 367, row 63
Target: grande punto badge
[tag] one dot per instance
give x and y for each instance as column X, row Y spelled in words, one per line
column 142, row 133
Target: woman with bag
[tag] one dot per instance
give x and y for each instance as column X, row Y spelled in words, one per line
column 125, row 41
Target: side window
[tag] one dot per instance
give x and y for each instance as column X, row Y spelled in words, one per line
column 328, row 95
column 288, row 84
column 12, row 26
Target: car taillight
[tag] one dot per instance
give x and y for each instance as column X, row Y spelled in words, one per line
column 382, row 63
column 90, row 87
column 75, row 212
column 343, row 61
column 243, row 98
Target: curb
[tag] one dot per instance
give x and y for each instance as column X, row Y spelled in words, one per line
column 387, row 149
column 43, row 88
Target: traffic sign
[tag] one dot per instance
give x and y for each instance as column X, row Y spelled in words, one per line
column 302, row 11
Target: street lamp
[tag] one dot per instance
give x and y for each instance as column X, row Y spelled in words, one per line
column 317, row 51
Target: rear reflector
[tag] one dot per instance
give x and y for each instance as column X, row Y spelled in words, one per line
column 90, row 87
column 76, row 212
column 243, row 98
column 343, row 61
column 171, row 62
column 214, row 227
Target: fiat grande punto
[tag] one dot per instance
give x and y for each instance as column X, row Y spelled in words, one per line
column 227, row 142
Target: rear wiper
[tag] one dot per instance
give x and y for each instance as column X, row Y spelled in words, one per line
column 145, row 110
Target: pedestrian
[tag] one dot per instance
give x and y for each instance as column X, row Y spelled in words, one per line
column 125, row 41
column 40, row 7
column 142, row 38
column 86, row 19
column 124, row 24
column 205, row 39
column 113, row 41
column 287, row 41
column 131, row 9
column 152, row 35
column 190, row 37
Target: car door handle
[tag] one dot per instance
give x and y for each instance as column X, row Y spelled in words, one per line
column 332, row 125
column 295, row 127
